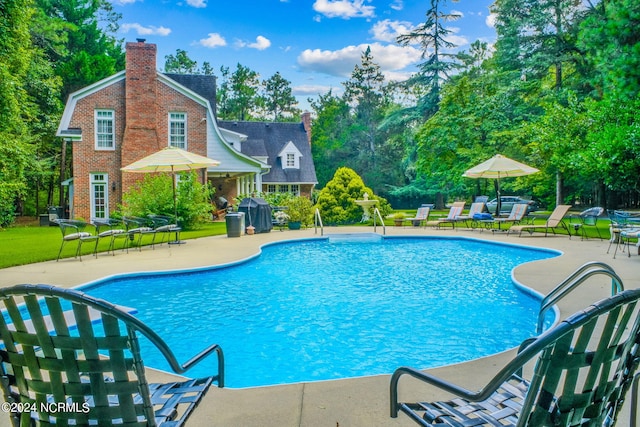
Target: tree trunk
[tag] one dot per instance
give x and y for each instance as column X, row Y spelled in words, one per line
column 439, row 201
column 559, row 188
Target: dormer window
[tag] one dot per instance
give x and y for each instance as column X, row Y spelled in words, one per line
column 291, row 160
column 290, row 156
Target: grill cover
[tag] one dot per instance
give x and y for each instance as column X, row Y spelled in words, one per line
column 257, row 213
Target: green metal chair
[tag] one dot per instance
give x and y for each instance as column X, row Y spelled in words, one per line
column 61, row 348
column 586, row 218
column 138, row 227
column 584, row 368
column 74, row 230
column 111, row 229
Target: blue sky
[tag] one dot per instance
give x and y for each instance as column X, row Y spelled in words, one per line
column 314, row 44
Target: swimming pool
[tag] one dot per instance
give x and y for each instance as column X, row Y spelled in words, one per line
column 320, row 309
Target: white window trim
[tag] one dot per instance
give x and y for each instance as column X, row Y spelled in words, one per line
column 170, row 120
column 95, row 129
column 290, row 148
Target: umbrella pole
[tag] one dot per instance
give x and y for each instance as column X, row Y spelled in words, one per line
column 177, row 241
column 498, row 199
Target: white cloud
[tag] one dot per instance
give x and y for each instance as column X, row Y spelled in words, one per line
column 456, row 39
column 197, row 3
column 311, row 90
column 397, row 5
column 342, row 62
column 457, row 12
column 389, row 30
column 261, row 43
column 344, row 9
column 145, row 31
column 214, row 40
column 490, row 20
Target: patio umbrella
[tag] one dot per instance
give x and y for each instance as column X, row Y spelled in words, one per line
column 498, row 167
column 171, row 159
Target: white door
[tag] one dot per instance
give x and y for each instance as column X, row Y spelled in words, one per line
column 99, row 195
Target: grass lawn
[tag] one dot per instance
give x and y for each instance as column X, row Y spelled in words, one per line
column 27, row 242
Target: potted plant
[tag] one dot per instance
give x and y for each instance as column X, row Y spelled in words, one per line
column 281, row 219
column 299, row 210
column 398, row 219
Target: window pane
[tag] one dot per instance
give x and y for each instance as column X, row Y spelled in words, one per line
column 104, row 129
column 178, row 130
column 291, row 161
column 99, row 200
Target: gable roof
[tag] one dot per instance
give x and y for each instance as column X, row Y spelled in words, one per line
column 269, row 139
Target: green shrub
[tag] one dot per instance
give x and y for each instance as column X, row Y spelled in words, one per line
column 336, row 200
column 299, row 209
column 154, row 196
column 8, row 194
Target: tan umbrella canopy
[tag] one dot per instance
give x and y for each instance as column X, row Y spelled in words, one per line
column 171, row 159
column 498, row 167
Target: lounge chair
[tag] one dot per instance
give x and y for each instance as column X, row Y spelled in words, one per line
column 53, row 356
column 584, row 370
column 74, row 230
column 556, row 219
column 517, row 214
column 422, row 216
column 476, row 208
column 454, row 212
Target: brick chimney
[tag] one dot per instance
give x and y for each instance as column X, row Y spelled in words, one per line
column 306, row 122
column 140, row 136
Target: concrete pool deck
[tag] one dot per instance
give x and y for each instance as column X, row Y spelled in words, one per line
column 339, row 403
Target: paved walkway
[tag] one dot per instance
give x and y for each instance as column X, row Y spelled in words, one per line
column 340, row 403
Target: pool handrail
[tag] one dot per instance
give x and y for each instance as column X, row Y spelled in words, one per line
column 574, row 280
column 377, row 214
column 317, row 219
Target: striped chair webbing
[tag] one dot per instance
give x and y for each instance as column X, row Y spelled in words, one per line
column 91, row 367
column 581, row 379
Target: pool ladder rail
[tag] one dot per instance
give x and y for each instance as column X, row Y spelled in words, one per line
column 317, row 222
column 575, row 279
column 378, row 215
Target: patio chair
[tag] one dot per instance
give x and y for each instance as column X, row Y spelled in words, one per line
column 111, row 229
column 623, row 227
column 454, row 212
column 53, row 355
column 164, row 226
column 586, row 218
column 422, row 216
column 555, row 220
column 138, row 227
column 74, row 230
column 584, row 368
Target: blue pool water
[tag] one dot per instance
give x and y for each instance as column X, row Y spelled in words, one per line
column 325, row 309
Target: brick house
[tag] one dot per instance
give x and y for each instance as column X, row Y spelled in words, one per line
column 139, row 111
